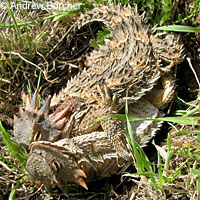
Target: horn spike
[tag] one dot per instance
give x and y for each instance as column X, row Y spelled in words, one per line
column 15, row 117
column 46, row 107
column 60, row 123
column 40, row 117
column 21, row 111
column 60, row 115
column 34, row 122
column 34, row 100
column 80, row 173
column 28, row 103
column 78, row 178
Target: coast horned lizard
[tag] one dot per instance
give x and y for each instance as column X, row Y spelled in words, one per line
column 136, row 66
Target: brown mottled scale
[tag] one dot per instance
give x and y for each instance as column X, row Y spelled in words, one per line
column 125, row 68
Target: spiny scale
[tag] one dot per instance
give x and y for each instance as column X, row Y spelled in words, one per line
column 124, row 56
column 132, row 54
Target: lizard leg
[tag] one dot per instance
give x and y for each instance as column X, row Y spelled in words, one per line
column 114, row 128
column 96, row 111
column 160, row 97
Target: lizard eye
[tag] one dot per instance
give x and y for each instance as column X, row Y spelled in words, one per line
column 55, row 165
column 37, row 136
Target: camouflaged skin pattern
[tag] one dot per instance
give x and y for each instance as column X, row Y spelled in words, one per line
column 125, row 68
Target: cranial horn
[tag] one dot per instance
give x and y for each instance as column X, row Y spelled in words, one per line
column 81, row 182
column 46, row 107
column 59, row 115
column 15, row 117
column 20, row 111
column 80, row 173
column 60, row 123
column 28, row 103
column 34, row 100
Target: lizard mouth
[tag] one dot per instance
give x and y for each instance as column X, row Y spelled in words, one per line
column 38, row 184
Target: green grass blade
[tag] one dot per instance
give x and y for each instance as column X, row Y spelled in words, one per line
column 169, row 153
column 198, row 189
column 160, row 171
column 188, row 131
column 13, row 18
column 179, row 28
column 18, row 24
column 12, row 193
column 39, row 80
column 67, row 14
column 181, row 120
column 29, row 89
column 12, row 148
column 142, row 160
column 147, row 174
column 193, row 111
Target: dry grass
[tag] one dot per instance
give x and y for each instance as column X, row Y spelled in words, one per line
column 36, row 46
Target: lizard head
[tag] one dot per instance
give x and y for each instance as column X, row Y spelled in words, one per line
column 35, row 125
column 54, row 165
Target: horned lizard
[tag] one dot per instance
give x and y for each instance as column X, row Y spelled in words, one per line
column 125, row 68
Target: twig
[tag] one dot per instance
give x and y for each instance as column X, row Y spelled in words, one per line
column 190, row 64
column 4, row 80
